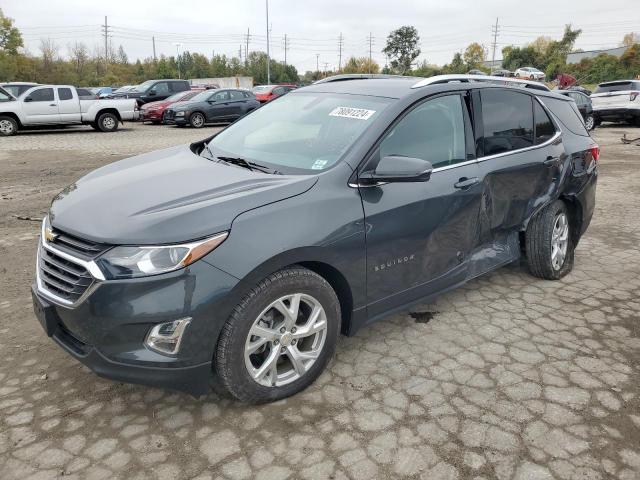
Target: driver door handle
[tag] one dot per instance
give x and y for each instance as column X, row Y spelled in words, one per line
column 53, row 104
column 551, row 161
column 465, row 182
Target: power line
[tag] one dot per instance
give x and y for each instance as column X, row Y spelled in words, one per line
column 494, row 30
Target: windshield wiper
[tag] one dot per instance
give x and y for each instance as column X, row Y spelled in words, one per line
column 241, row 162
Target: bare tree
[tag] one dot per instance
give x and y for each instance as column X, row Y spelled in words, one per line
column 49, row 50
column 79, row 54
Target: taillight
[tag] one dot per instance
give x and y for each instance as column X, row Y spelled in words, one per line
column 595, row 152
column 633, row 96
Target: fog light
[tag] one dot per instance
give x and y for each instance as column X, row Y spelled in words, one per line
column 165, row 337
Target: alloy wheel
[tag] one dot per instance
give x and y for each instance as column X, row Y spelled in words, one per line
column 285, row 340
column 559, row 241
column 589, row 123
column 197, row 120
column 108, row 123
column 6, row 127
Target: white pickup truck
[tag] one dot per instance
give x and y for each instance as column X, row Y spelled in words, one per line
column 617, row 101
column 44, row 105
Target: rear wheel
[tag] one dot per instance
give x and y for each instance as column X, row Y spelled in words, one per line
column 549, row 246
column 532, row 77
column 590, row 123
column 107, row 122
column 280, row 337
column 8, row 126
column 196, row 120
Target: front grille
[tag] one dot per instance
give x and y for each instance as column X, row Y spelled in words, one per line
column 63, row 278
column 169, row 114
column 80, row 247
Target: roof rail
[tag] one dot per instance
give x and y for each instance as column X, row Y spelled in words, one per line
column 357, row 76
column 506, row 81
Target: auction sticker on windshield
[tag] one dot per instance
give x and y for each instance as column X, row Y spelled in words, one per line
column 348, row 112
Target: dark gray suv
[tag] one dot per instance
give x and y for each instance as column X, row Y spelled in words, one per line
column 236, row 261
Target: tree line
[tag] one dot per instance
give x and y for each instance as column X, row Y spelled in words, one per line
column 83, row 67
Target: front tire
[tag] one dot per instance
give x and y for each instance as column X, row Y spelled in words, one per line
column 549, row 247
column 279, row 338
column 107, row 122
column 197, row 120
column 590, row 123
column 8, row 126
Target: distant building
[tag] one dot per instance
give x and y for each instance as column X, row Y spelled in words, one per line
column 492, row 64
column 576, row 57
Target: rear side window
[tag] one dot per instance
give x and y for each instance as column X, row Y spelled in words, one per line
column 83, row 92
column 507, row 117
column 64, row 94
column 544, row 129
column 42, row 95
column 236, row 95
column 179, row 86
column 567, row 113
column 614, row 87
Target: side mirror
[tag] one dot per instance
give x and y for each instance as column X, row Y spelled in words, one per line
column 396, row 168
column 152, row 93
column 28, row 99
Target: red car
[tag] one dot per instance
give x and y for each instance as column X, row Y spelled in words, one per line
column 154, row 111
column 266, row 93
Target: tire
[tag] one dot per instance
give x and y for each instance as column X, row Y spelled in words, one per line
column 590, row 123
column 239, row 371
column 531, row 77
column 107, row 122
column 540, row 238
column 197, row 120
column 8, row 126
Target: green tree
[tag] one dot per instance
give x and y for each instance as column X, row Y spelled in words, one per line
column 457, row 65
column 402, row 48
column 10, row 37
column 474, row 55
column 360, row 65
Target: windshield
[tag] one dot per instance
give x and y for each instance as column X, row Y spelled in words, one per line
column 17, row 90
column 143, row 86
column 179, row 96
column 202, row 96
column 302, row 132
column 261, row 88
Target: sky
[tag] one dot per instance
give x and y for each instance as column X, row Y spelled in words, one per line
column 313, row 28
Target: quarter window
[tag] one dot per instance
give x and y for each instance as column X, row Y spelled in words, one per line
column 161, row 88
column 432, row 131
column 221, row 96
column 507, row 117
column 544, row 126
column 65, row 94
column 236, row 95
column 42, row 95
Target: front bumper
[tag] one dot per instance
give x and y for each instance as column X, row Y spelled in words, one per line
column 107, row 329
column 153, row 115
column 176, row 120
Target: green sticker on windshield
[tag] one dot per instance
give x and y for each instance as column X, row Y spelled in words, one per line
column 348, row 112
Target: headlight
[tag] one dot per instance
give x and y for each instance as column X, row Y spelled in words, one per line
column 179, row 114
column 131, row 262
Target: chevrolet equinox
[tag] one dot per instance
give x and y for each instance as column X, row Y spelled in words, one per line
column 236, row 261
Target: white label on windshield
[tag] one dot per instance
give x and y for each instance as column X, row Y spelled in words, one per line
column 348, row 112
column 319, row 164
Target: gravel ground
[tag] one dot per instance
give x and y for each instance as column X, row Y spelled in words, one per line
column 510, row 377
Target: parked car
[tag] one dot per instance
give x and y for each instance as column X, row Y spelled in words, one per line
column 102, row 92
column 154, row 111
column 475, row 72
column 617, row 101
column 211, row 106
column 86, row 94
column 125, row 88
column 154, row 90
column 583, row 102
column 17, row 88
column 501, row 72
column 266, row 93
column 237, row 260
column 531, row 73
column 46, row 105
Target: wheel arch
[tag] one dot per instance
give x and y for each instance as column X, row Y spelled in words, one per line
column 114, row 111
column 12, row 115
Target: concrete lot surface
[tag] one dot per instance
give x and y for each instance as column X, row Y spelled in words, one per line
column 510, row 377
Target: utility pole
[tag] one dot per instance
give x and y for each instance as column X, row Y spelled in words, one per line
column 153, row 40
column 240, row 53
column 318, row 62
column 326, row 65
column 370, row 48
column 105, row 32
column 286, row 47
column 340, row 40
column 246, row 51
column 268, row 53
column 494, row 30
column 178, row 45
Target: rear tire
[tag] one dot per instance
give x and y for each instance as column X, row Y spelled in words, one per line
column 8, row 126
column 589, row 123
column 549, row 246
column 107, row 122
column 258, row 338
column 197, row 120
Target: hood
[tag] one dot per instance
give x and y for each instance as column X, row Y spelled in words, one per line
column 167, row 196
column 184, row 105
column 156, row 104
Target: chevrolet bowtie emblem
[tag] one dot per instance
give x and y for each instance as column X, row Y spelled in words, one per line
column 49, row 235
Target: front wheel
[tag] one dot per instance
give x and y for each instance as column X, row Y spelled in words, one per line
column 549, row 246
column 196, row 120
column 590, row 123
column 280, row 337
column 8, row 126
column 107, row 122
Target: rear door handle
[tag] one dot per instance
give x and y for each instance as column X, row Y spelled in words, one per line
column 465, row 182
column 551, row 161
column 53, row 105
